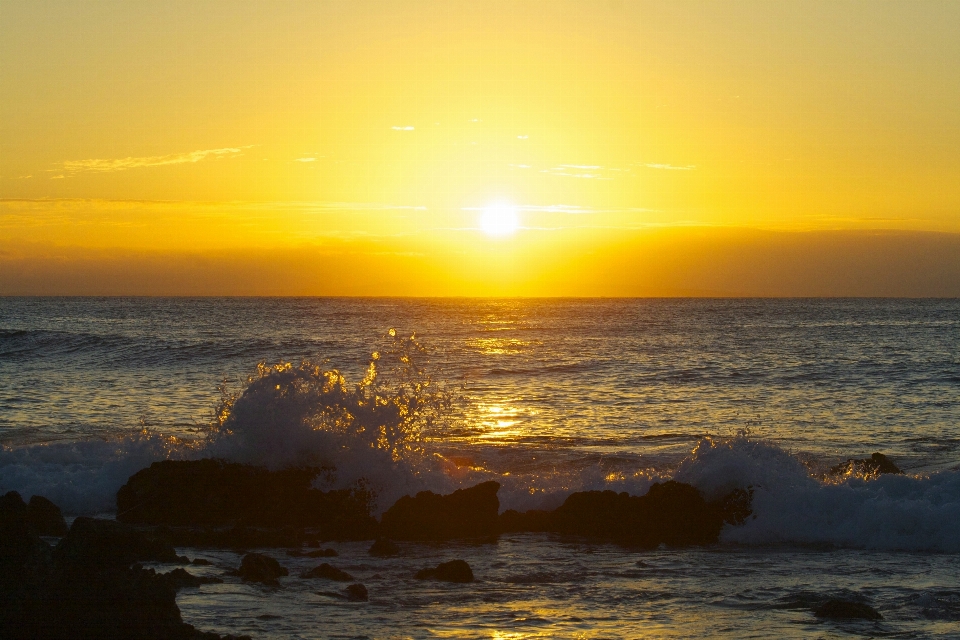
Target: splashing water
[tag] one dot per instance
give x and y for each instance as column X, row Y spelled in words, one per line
column 309, row 415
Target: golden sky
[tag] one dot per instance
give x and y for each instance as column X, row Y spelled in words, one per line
column 354, row 148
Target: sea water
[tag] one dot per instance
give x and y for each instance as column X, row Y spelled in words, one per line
column 547, row 397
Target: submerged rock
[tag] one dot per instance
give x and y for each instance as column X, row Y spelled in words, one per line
column 357, row 593
column 453, row 571
column 384, row 547
column 214, row 493
column 846, row 610
column 465, row 513
column 327, row 572
column 256, row 567
column 876, row 464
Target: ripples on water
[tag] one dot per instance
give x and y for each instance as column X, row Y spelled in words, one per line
column 556, row 396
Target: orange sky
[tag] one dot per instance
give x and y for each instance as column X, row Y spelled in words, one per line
column 351, row 148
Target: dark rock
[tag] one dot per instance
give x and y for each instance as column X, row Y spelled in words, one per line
column 181, row 578
column 453, row 571
column 672, row 513
column 201, row 562
column 327, row 572
column 215, row 493
column 465, row 513
column 94, row 542
column 86, row 589
column 45, row 517
column 384, row 547
column 357, row 593
column 877, row 464
column 512, row 521
column 845, row 610
column 256, row 567
column 735, row 507
column 238, row 537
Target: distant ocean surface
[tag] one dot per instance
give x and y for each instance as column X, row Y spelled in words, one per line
column 548, row 397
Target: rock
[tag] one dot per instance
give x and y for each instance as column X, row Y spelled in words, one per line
column 216, row 493
column 877, row 464
column 384, row 547
column 100, row 542
column 201, row 562
column 670, row 513
column 453, row 571
column 45, row 517
column 535, row 520
column 735, row 507
column 845, row 610
column 321, row 553
column 181, row 578
column 256, row 567
column 85, row 589
column 327, row 572
column 357, row 593
column 238, row 537
column 465, row 513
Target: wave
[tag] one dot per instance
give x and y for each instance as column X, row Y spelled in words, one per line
column 376, row 431
column 791, row 505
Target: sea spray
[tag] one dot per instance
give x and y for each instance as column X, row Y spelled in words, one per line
column 792, row 505
column 372, row 431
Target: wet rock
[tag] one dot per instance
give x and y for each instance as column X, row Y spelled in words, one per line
column 86, row 588
column 327, row 572
column 181, row 578
column 670, row 513
column 465, row 513
column 357, row 593
column 216, row 493
column 453, row 571
column 45, row 517
column 238, row 537
column 98, row 542
column 384, row 547
column 201, row 562
column 876, row 464
column 256, row 567
column 535, row 520
column 735, row 507
column 846, row 610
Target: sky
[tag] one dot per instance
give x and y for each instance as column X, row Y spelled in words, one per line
column 420, row 148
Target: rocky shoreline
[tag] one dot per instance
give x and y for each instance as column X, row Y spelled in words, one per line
column 90, row 584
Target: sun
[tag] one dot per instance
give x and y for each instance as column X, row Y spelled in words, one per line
column 499, row 220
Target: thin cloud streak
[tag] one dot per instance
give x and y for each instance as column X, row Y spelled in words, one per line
column 99, row 165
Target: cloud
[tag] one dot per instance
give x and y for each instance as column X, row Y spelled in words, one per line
column 668, row 167
column 305, row 160
column 99, row 165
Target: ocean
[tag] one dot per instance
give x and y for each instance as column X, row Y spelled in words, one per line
column 548, row 397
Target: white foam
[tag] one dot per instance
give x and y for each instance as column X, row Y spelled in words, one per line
column 890, row 512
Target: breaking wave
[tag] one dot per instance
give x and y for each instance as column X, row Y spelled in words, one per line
column 378, row 431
